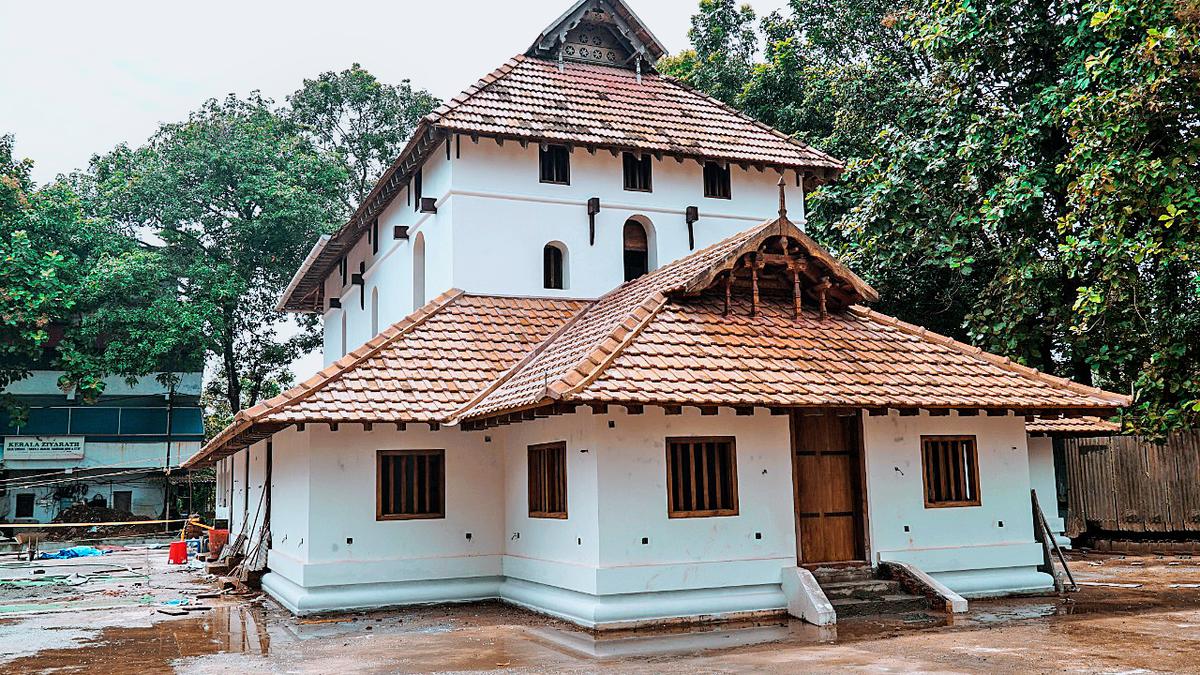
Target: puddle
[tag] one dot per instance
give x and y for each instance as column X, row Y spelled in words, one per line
column 151, row 647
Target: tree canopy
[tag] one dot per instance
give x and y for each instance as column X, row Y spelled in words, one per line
column 361, row 121
column 1020, row 174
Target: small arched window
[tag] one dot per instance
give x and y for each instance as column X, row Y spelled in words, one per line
column 374, row 311
column 418, row 270
column 554, row 267
column 345, row 347
column 637, row 250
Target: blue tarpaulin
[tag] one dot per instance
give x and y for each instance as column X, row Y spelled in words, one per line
column 73, row 552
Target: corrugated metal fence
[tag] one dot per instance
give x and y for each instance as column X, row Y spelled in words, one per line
column 1125, row 484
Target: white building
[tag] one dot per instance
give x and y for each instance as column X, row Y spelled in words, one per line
column 503, row 417
column 114, row 451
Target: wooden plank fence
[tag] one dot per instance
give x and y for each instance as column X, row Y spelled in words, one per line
column 1126, row 484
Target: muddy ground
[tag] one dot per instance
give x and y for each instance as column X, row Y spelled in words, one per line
column 110, row 623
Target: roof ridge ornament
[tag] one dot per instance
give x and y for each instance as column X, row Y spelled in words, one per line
column 782, row 199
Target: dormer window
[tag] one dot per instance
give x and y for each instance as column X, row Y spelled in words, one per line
column 716, row 180
column 555, row 162
column 637, row 172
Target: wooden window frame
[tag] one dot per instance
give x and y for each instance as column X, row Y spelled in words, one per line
column 727, row 177
column 549, row 153
column 973, row 478
column 560, row 447
column 640, row 162
column 672, row 512
column 441, row 505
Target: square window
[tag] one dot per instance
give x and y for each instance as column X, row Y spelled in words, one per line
column 122, row 500
column 701, row 477
column 411, row 484
column 950, row 470
column 555, row 164
column 637, row 172
column 716, row 180
column 24, row 506
column 548, row 480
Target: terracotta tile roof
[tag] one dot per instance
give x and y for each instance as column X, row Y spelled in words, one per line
column 606, row 106
column 1072, row 425
column 653, row 341
column 689, row 353
column 422, row 369
column 663, row 339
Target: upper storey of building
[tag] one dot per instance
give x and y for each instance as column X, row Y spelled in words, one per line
column 562, row 147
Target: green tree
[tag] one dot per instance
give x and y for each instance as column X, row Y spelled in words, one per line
column 1021, row 173
column 76, row 292
column 237, row 197
column 360, row 120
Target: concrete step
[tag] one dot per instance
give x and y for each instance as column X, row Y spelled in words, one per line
column 863, row 590
column 892, row 603
column 842, row 574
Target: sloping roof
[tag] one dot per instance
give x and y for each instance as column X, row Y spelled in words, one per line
column 608, row 107
column 422, row 369
column 1072, row 426
column 654, row 340
column 667, row 339
column 531, row 100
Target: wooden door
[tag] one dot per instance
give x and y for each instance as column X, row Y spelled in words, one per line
column 826, row 471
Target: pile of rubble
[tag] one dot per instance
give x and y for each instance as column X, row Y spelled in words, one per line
column 84, row 513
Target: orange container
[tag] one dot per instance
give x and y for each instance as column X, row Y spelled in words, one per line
column 177, row 553
column 217, row 540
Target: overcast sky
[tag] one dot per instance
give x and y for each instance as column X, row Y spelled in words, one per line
column 78, row 77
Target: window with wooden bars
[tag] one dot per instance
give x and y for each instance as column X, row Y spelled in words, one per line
column 701, row 477
column 548, row 480
column 411, row 484
column 555, row 164
column 637, row 172
column 950, row 469
column 716, row 180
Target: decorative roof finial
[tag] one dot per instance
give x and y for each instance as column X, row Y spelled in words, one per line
column 782, row 199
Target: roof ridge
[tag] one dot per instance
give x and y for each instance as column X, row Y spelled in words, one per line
column 525, row 360
column 753, row 120
column 593, row 364
column 247, row 417
column 993, row 359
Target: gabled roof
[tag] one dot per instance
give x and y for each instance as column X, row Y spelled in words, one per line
column 667, row 339
column 422, row 369
column 531, row 100
column 630, row 28
column 723, row 326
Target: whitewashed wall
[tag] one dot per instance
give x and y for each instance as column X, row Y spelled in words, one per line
column 974, row 549
column 495, row 216
column 1042, row 478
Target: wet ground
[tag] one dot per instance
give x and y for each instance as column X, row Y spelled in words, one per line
column 111, row 623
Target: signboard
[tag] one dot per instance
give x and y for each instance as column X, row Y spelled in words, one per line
column 43, row 447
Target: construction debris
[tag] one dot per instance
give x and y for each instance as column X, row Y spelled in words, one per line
column 84, row 513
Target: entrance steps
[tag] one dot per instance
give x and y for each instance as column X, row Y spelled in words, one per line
column 859, row 591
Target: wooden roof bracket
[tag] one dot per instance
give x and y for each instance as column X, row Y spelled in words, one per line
column 822, row 291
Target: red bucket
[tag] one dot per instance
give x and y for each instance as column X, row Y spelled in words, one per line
column 217, row 540
column 177, row 553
